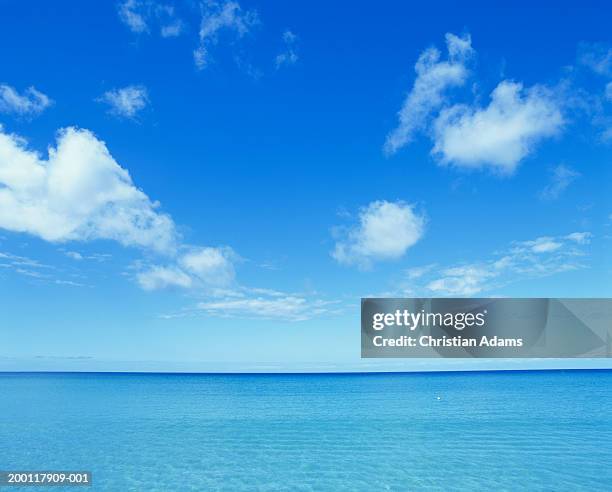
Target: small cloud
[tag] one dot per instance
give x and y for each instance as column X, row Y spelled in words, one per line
column 31, row 102
column 127, row 101
column 199, row 267
column 172, row 30
column 562, row 177
column 139, row 15
column 386, row 230
column 74, row 255
column 132, row 14
column 597, row 57
column 580, row 237
column 417, row 272
column 159, row 277
column 289, row 56
column 217, row 17
column 542, row 245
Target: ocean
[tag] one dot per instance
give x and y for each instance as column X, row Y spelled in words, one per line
column 542, row 430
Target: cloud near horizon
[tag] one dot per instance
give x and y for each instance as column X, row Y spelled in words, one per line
column 540, row 257
column 386, row 230
column 498, row 136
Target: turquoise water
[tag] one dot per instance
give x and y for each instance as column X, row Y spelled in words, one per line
column 502, row 431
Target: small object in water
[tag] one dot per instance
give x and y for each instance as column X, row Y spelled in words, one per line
column 438, row 397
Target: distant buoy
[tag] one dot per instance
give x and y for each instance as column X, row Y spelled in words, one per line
column 438, row 397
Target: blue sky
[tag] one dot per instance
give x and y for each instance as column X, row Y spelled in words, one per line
column 214, row 185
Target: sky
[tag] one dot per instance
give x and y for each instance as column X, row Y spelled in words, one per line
column 191, row 185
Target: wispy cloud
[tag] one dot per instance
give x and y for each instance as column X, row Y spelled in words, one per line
column 289, row 55
column 139, row 15
column 195, row 268
column 126, row 102
column 218, row 17
column 597, row 57
column 290, row 308
column 497, row 136
column 385, row 232
column 540, row 257
column 30, row 102
column 562, row 177
column 34, row 269
column 257, row 303
column 433, row 77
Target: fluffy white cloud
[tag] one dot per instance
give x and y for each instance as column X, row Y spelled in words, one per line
column 562, row 177
column 434, row 77
column 79, row 192
column 536, row 258
column 385, row 232
column 218, row 16
column 289, row 56
column 127, row 101
column 31, row 102
column 501, row 134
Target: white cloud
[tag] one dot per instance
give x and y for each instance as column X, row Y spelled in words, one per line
column 461, row 281
column 268, row 305
column 198, row 267
column 132, row 14
column 75, row 255
column 501, row 134
column 540, row 257
column 434, row 77
column 158, row 277
column 175, row 28
column 289, row 56
column 216, row 17
column 127, row 101
column 385, row 232
column 139, row 15
column 562, row 177
column 79, row 192
column 580, row 237
column 31, row 103
column 211, row 265
column 542, row 245
column 498, row 136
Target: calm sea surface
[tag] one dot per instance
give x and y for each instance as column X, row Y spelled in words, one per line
column 503, row 431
